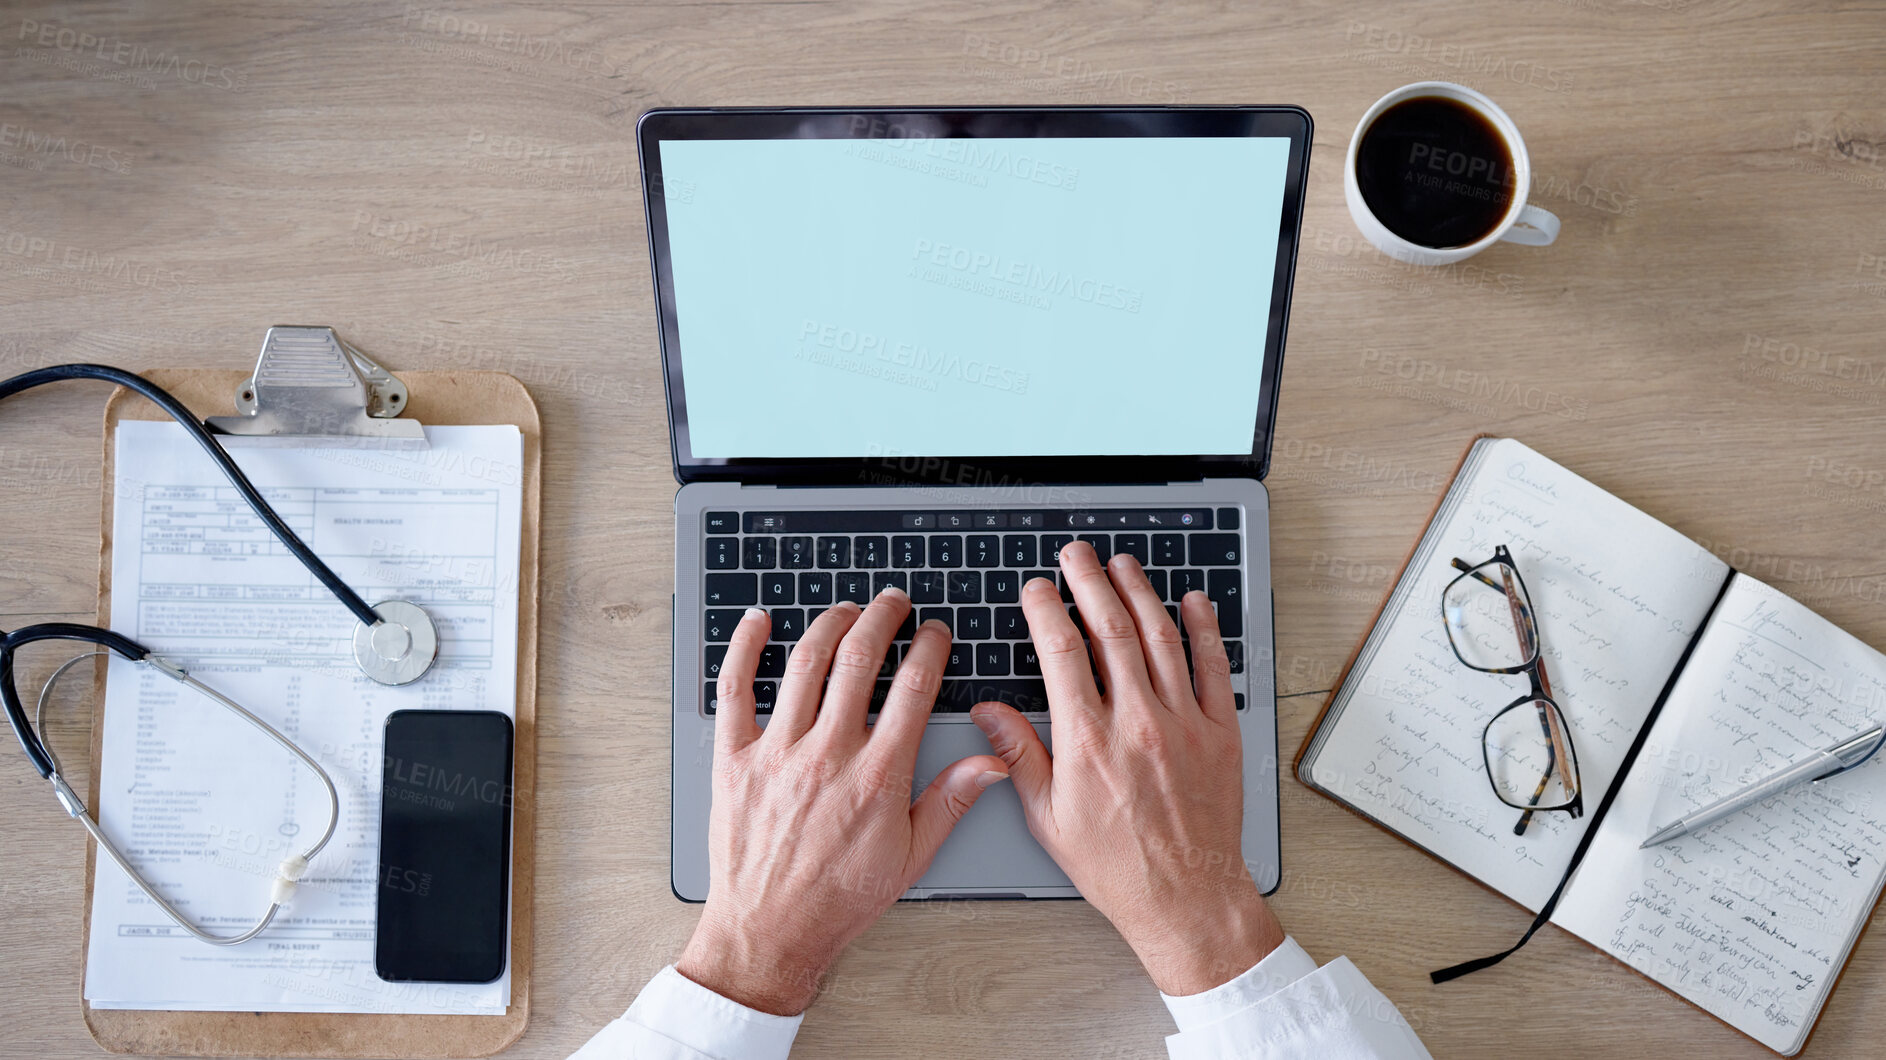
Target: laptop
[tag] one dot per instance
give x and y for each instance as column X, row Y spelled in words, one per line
column 927, row 348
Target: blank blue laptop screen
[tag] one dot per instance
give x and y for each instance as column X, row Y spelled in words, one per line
column 973, row 297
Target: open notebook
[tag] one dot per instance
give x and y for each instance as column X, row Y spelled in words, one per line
column 1681, row 680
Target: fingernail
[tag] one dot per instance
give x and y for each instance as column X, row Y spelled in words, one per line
column 894, row 591
column 753, row 612
column 1040, row 585
column 984, row 721
column 990, row 777
column 937, row 624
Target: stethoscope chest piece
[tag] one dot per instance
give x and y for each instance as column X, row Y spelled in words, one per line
column 398, row 649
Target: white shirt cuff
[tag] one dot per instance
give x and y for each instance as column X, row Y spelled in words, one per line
column 1280, row 967
column 675, row 1016
column 1285, row 1006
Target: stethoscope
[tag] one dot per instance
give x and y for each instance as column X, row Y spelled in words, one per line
column 395, row 644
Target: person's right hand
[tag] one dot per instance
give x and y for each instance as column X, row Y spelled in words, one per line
column 1142, row 802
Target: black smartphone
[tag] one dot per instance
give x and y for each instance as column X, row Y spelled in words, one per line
column 445, row 846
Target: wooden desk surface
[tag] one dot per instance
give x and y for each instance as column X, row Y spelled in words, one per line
column 455, row 186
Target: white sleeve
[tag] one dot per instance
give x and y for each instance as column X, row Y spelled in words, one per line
column 1285, row 1006
column 676, row 1018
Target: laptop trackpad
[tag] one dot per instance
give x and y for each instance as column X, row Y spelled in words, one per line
column 991, row 848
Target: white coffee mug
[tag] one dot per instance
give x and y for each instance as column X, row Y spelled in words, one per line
column 1522, row 223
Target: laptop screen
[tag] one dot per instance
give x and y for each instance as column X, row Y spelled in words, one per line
column 1041, row 296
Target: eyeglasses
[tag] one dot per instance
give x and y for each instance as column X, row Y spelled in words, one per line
column 1527, row 745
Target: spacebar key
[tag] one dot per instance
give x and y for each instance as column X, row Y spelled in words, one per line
column 1024, row 694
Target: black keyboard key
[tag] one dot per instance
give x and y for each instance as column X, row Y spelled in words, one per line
column 815, row 588
column 721, row 522
column 1011, row 624
column 812, row 615
column 1227, row 518
column 1222, row 586
column 1158, row 578
column 906, row 551
column 716, row 654
column 946, row 550
column 723, row 553
column 908, row 628
column 1025, row 694
column 776, row 588
column 834, row 552
column 765, row 694
column 992, row 660
column 1214, row 550
column 1051, row 548
column 1238, row 698
column 1027, row 664
column 919, row 521
column 1027, row 520
column 962, row 661
column 955, row 520
column 965, row 587
column 1173, row 610
column 1234, row 650
column 854, row 585
column 871, row 552
column 1002, row 586
column 711, row 695
column 985, row 550
column 941, row 614
column 1033, row 574
column 888, row 669
column 795, row 553
column 884, row 579
column 732, row 590
column 788, row 624
column 720, row 624
column 926, row 587
column 761, row 553
column 773, row 661
column 1184, row 581
column 1018, row 550
column 1067, row 589
column 973, row 623
column 1133, row 545
column 1168, row 550
column 1103, row 546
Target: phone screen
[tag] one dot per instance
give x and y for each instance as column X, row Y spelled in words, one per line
column 445, row 846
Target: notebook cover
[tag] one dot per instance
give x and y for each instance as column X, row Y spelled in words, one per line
column 1343, row 676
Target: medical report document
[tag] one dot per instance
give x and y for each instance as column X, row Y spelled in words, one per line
column 206, row 806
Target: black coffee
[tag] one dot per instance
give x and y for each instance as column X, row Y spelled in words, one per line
column 1435, row 171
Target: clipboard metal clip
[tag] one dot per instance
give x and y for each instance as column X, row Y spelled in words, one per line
column 311, row 386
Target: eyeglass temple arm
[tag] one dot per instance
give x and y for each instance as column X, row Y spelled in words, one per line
column 1548, row 720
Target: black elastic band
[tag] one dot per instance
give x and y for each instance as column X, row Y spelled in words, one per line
column 1604, row 805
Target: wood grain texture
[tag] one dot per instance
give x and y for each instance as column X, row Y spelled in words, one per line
column 453, row 186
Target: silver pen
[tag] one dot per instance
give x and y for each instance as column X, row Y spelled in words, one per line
column 1843, row 755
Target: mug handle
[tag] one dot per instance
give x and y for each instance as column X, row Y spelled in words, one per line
column 1533, row 228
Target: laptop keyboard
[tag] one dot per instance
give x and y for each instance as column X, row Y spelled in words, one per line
column 965, row 568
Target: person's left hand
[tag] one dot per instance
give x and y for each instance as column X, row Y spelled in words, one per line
column 813, row 833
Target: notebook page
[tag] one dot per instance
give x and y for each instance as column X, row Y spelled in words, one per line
column 206, row 806
column 1618, row 596
column 1752, row 917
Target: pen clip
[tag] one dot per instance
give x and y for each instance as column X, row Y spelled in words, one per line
column 1877, row 737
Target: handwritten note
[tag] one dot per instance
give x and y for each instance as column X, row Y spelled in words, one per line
column 1617, row 596
column 1752, row 917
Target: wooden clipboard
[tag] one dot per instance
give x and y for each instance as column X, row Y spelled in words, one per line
column 436, row 398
